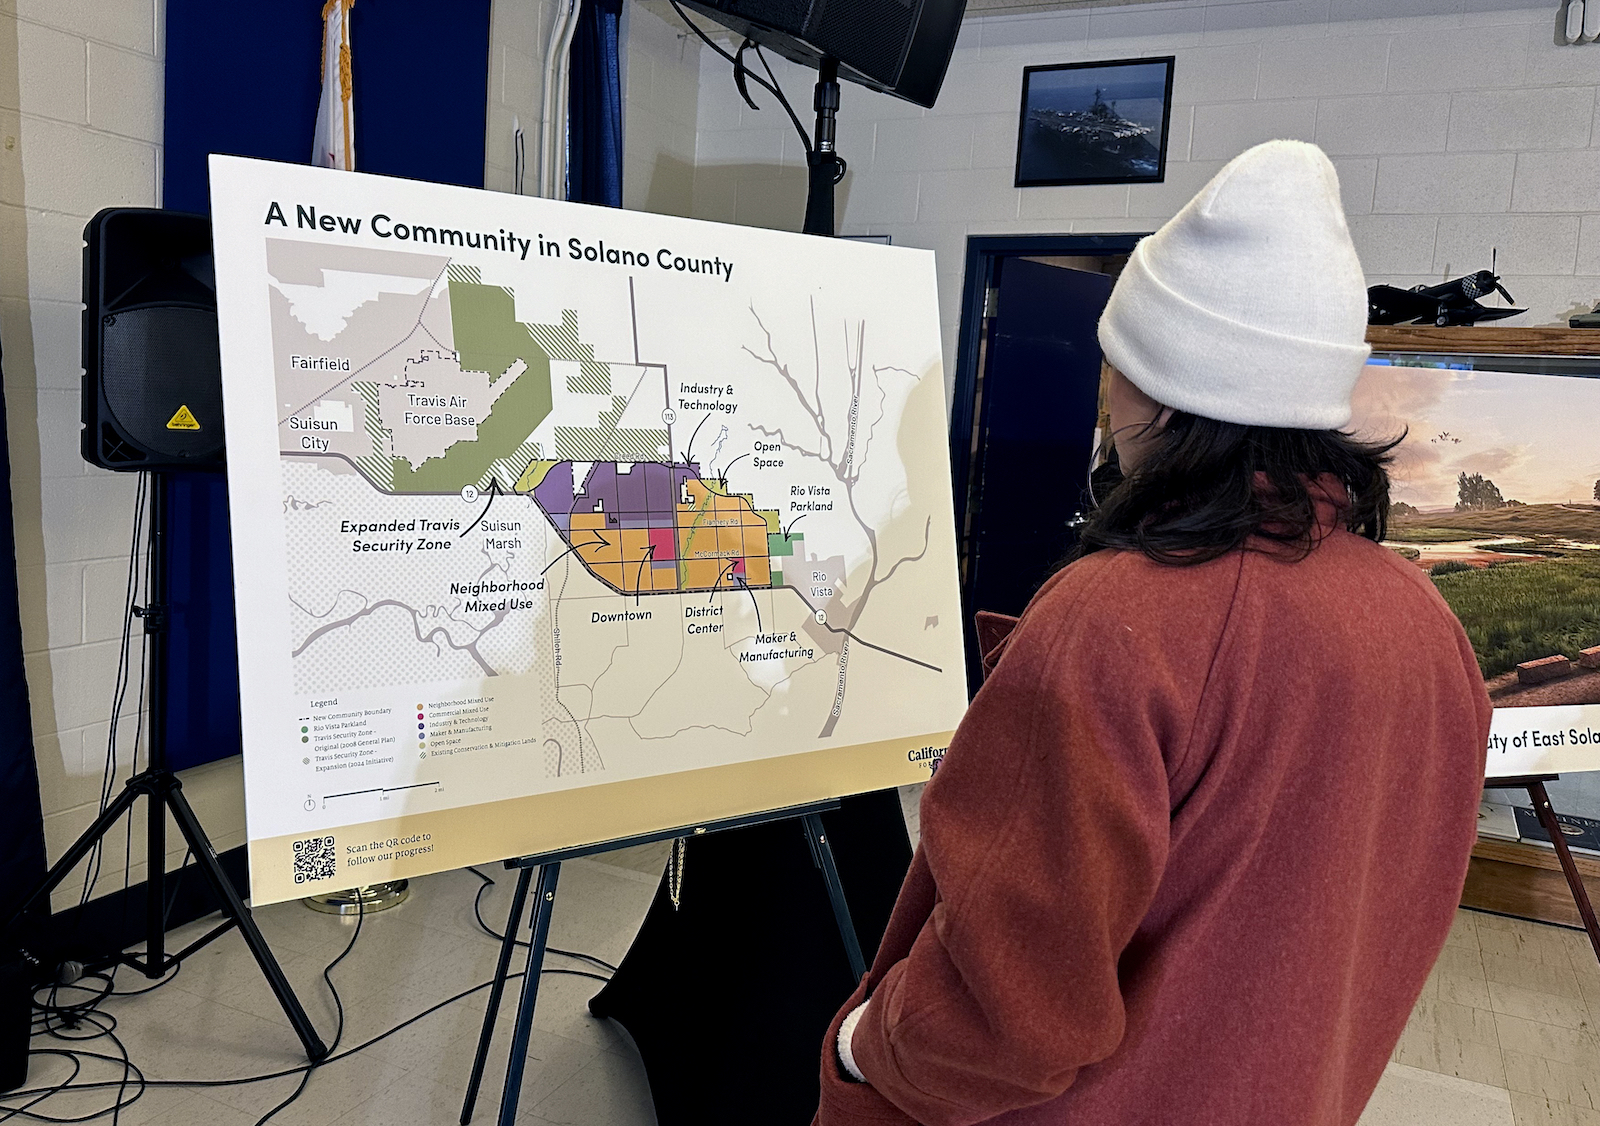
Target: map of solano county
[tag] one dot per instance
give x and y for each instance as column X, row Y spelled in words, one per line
column 584, row 530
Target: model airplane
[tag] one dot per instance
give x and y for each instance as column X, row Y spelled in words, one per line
column 1452, row 303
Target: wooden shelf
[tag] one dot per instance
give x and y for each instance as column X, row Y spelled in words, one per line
column 1485, row 340
column 1526, row 881
column 1532, row 856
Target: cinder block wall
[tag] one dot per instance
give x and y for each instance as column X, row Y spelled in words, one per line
column 1457, row 126
column 81, row 106
column 661, row 81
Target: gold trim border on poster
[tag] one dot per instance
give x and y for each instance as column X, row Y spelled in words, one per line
column 609, row 811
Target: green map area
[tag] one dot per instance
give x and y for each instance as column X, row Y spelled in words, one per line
column 517, row 357
column 489, row 338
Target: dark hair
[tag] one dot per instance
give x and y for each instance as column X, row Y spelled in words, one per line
column 1206, row 488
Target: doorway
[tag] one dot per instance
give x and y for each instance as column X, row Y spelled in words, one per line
column 1026, row 411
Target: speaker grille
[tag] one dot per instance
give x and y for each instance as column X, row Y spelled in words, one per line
column 786, row 15
column 154, row 361
column 871, row 35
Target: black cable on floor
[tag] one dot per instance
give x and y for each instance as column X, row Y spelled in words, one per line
column 338, row 1005
column 58, row 1016
column 477, row 911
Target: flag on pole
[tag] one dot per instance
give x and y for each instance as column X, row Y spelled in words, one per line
column 334, row 145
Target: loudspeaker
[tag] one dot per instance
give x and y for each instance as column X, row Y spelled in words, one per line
column 901, row 47
column 152, row 376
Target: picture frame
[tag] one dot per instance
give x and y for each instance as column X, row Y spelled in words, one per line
column 1101, row 122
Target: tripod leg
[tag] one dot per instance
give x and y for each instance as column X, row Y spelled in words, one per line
column 519, row 900
column 232, row 906
column 822, row 852
column 155, row 891
column 80, row 848
column 1580, row 894
column 544, row 898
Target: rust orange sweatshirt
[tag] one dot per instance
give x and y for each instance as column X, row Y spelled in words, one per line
column 1190, row 856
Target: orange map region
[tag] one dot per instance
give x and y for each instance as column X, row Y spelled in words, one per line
column 719, row 541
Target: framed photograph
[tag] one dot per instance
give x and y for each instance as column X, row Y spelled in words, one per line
column 1095, row 123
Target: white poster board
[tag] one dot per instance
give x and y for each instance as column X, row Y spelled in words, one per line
column 554, row 524
column 1497, row 496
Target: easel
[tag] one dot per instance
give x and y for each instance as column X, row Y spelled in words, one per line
column 549, row 867
column 1534, row 784
column 165, row 793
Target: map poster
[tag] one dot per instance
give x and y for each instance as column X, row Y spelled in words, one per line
column 556, row 524
column 1496, row 495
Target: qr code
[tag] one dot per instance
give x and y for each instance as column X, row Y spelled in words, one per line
column 313, row 859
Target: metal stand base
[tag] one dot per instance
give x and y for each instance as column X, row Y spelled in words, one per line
column 165, row 792
column 166, row 795
column 549, row 869
column 368, row 900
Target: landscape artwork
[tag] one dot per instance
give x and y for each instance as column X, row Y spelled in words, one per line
column 1496, row 492
column 1094, row 123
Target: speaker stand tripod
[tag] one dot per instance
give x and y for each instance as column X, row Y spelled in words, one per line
column 165, row 794
column 824, row 168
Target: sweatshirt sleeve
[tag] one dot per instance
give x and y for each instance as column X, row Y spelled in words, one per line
column 1045, row 830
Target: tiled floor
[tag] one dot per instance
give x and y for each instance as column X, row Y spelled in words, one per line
column 1504, row 1034
column 1510, row 1011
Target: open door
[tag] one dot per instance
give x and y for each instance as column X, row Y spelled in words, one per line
column 1038, row 402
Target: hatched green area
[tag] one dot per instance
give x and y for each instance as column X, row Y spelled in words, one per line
column 604, row 442
column 1515, row 612
column 488, row 337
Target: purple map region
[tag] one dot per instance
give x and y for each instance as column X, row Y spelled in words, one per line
column 648, row 495
column 659, row 527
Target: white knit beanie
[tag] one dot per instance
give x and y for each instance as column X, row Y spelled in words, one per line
column 1249, row 305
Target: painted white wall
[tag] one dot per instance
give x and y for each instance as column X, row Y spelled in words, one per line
column 80, row 129
column 1457, row 127
column 661, row 85
column 517, row 33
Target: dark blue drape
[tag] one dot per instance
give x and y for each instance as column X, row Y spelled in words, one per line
column 594, row 117
column 21, row 818
column 244, row 77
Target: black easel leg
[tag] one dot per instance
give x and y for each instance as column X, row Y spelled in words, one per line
column 519, row 899
column 1580, row 894
column 822, row 854
column 544, row 898
column 233, row 907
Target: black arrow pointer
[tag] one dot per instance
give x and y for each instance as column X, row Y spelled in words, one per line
column 753, row 601
column 638, row 581
column 726, row 571
column 494, row 491
column 689, row 449
column 730, row 465
column 601, row 541
column 792, row 523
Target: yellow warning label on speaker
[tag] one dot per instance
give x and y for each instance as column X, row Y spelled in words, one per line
column 183, row 420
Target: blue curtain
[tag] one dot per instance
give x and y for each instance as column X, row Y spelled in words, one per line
column 243, row 77
column 21, row 818
column 594, row 116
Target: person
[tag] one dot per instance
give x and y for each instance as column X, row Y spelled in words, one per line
column 1201, row 835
